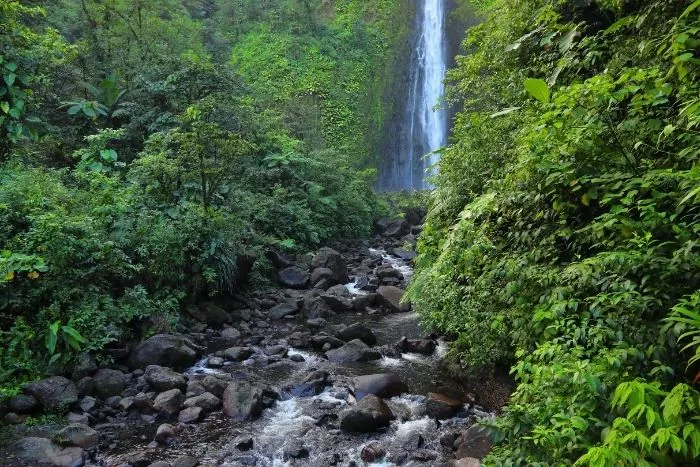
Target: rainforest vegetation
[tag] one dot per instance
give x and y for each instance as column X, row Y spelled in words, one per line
column 562, row 240
column 153, row 153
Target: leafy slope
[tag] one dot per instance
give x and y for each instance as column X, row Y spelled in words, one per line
column 564, row 230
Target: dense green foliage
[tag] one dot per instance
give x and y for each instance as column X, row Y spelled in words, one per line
column 563, row 237
column 149, row 151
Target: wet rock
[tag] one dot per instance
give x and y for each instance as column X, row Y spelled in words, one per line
column 278, row 312
column 313, row 384
column 207, row 401
column 215, row 362
column 276, row 350
column 338, row 304
column 164, row 379
column 424, row 455
column 322, row 339
column 87, row 403
column 191, row 415
column 242, row 401
column 138, row 459
column 214, row 385
column 372, row 452
column 476, row 442
column 185, row 461
column 80, row 418
column 230, row 335
column 357, row 331
column 53, row 393
column 142, row 402
column 246, row 460
column 316, row 307
column 448, row 439
column 113, row 402
column 244, row 444
column 208, row 313
column 390, row 298
column 159, row 464
column 330, row 259
column 384, row 272
column 440, row 406
column 169, row 402
column 15, row 418
column 370, row 414
column 165, row 434
column 405, row 255
column 353, row 351
column 296, row 452
column 238, row 354
column 79, row 435
column 420, row 346
column 126, row 403
column 322, row 277
column 166, row 350
column 316, row 323
column 297, row 358
column 108, row 383
column 86, row 386
column 42, row 451
column 397, row 228
column 412, row 442
column 23, row 404
column 85, row 365
column 384, row 385
column 293, row 277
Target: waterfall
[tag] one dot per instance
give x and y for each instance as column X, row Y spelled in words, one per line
column 422, row 129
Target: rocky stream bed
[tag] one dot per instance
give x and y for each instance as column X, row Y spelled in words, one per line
column 329, row 369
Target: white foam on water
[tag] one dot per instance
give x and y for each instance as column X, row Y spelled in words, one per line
column 201, row 368
column 390, row 362
column 308, row 357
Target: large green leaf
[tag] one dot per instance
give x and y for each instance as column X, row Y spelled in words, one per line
column 538, row 89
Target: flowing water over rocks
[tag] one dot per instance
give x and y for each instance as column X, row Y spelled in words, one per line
column 288, row 378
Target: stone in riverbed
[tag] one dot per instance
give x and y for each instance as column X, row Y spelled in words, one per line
column 53, row 393
column 207, row 401
column 316, row 307
column 466, row 462
column 372, row 452
column 214, row 385
column 370, row 414
column 294, row 277
column 165, row 434
column 23, row 404
column 185, row 461
column 420, row 346
column 242, row 401
column 42, row 451
column 357, row 331
column 322, row 277
column 166, row 350
column 475, row 442
column 381, row 385
column 238, row 354
column 169, row 402
column 164, row 379
column 330, row 259
column 190, row 415
column 353, row 351
column 79, row 435
column 440, row 406
column 108, row 383
column 278, row 312
column 312, row 385
column 390, row 298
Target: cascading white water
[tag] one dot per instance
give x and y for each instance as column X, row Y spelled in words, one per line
column 433, row 121
column 422, row 128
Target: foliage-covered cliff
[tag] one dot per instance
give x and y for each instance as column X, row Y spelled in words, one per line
column 562, row 239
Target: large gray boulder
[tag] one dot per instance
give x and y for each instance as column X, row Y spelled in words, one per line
column 167, row 350
column 353, row 351
column 108, row 383
column 280, row 311
column 169, row 402
column 53, row 393
column 370, row 414
column 209, row 313
column 206, row 401
column 381, row 385
column 78, row 434
column 316, row 307
column 440, row 406
column 294, row 277
column 390, row 298
column 357, row 331
column 242, row 401
column 330, row 259
column 164, row 379
column 476, row 442
column 41, row 451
